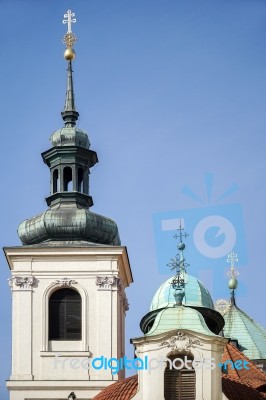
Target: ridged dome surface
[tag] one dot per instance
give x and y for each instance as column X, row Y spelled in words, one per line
column 69, row 224
column 172, row 318
column 250, row 335
column 71, row 136
column 195, row 294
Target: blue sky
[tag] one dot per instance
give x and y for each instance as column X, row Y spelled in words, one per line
column 168, row 91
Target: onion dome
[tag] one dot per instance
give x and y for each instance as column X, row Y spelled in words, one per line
column 71, row 136
column 69, row 160
column 69, row 224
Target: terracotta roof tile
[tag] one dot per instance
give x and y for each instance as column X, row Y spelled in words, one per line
column 237, row 384
column 121, row 390
column 237, row 390
column 253, row 376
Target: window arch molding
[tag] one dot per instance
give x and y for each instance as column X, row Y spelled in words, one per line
column 64, row 283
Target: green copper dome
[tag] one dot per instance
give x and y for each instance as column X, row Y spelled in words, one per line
column 179, row 318
column 195, row 294
column 250, row 335
column 69, row 224
column 70, row 136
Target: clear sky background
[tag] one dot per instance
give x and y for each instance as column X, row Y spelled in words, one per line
column 168, row 90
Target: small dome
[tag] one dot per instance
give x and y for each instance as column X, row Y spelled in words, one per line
column 195, row 294
column 172, row 318
column 70, row 137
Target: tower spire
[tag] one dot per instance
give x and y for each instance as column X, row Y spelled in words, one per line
column 69, row 159
column 232, row 274
column 69, row 115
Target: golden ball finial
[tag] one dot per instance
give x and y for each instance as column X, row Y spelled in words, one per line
column 69, row 54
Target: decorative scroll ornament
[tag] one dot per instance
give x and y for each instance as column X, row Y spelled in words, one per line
column 65, row 282
column 22, row 282
column 181, row 342
column 108, row 282
column 222, row 306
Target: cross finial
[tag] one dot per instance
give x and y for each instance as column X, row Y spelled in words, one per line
column 69, row 38
column 232, row 258
column 179, row 265
column 181, row 234
column 69, row 20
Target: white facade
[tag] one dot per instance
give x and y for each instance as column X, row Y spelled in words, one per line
column 44, row 369
column 175, row 343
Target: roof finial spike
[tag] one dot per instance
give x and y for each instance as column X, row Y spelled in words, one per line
column 181, row 246
column 232, row 274
column 69, row 115
column 179, row 265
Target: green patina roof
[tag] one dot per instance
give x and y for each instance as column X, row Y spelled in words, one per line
column 70, row 136
column 69, row 224
column 195, row 294
column 250, row 335
column 179, row 318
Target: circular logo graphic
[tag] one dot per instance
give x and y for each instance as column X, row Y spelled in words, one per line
column 223, row 228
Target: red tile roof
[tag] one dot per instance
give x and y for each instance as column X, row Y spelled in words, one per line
column 232, row 388
column 237, row 390
column 237, row 384
column 253, row 376
column 121, row 390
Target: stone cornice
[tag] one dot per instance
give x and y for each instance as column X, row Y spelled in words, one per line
column 163, row 337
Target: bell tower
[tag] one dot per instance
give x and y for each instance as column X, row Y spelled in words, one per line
column 68, row 278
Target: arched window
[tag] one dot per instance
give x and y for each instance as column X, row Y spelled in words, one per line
column 65, row 315
column 67, row 179
column 80, row 180
column 55, row 181
column 179, row 381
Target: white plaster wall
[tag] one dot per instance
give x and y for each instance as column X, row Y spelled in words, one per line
column 34, row 357
column 151, row 381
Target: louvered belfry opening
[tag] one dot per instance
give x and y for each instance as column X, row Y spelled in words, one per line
column 65, row 315
column 179, row 384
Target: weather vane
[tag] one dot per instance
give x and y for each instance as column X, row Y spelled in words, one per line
column 70, row 38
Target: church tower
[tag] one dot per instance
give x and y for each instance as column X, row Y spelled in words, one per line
column 68, row 278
